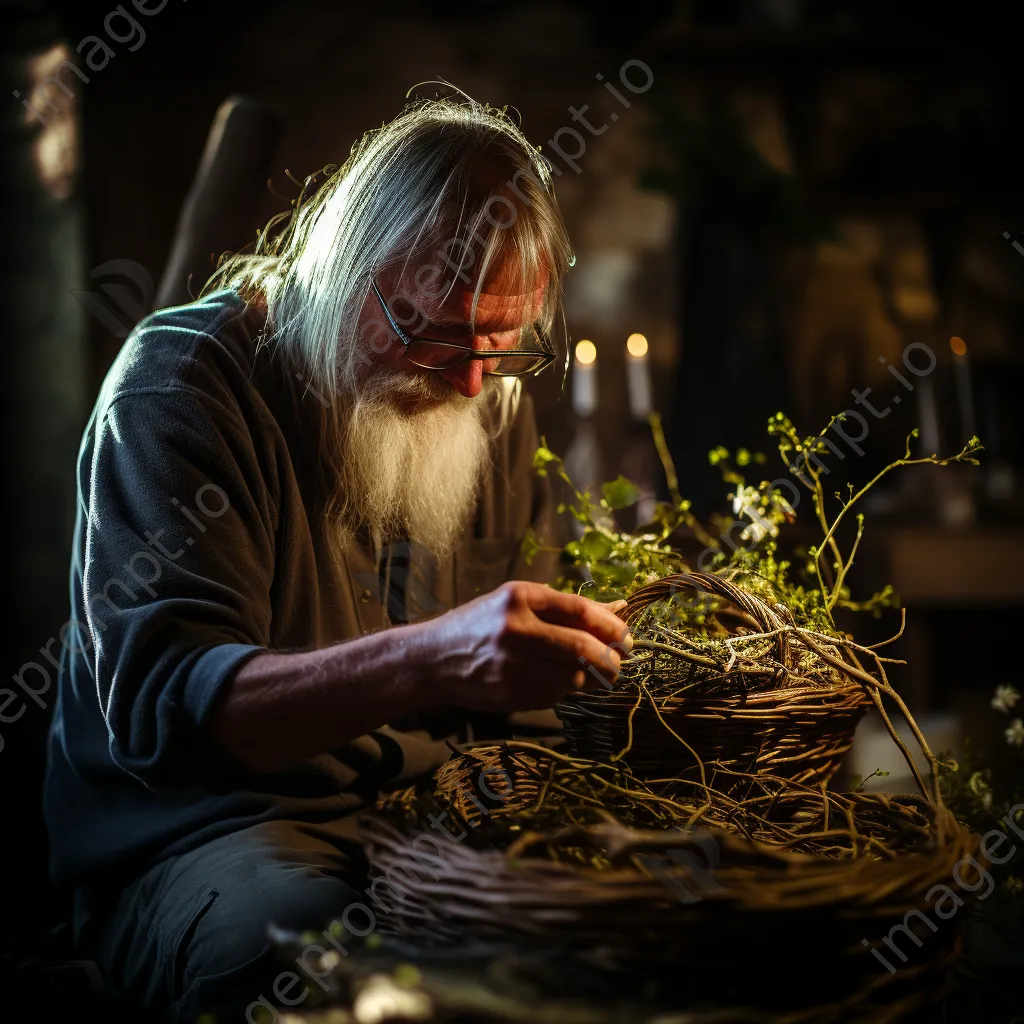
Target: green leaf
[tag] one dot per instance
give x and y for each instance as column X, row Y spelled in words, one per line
column 620, row 493
column 595, row 545
column 542, row 458
column 620, row 575
column 530, row 547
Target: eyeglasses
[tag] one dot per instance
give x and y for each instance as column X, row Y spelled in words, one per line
column 432, row 354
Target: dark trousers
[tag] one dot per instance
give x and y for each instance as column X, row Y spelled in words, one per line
column 190, row 935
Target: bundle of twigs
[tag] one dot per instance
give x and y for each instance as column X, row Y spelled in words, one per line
column 528, row 800
column 554, row 850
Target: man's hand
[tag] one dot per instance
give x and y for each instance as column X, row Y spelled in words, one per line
column 523, row 647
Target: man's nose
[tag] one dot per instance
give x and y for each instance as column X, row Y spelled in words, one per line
column 466, row 378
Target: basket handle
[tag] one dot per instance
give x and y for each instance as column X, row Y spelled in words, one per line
column 761, row 612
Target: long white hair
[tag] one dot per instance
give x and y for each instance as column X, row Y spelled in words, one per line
column 448, row 177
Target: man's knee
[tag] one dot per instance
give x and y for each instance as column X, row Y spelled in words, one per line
column 229, row 960
column 236, row 928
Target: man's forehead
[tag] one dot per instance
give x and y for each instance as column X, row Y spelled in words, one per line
column 501, row 305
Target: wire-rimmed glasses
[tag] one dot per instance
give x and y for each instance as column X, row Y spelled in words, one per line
column 434, row 354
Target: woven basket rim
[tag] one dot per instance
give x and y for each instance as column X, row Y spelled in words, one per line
column 797, row 879
column 777, row 695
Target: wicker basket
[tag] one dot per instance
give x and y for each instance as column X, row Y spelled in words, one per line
column 740, row 922
column 791, row 903
column 800, row 732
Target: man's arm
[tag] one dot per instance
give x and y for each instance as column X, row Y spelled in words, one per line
column 520, row 648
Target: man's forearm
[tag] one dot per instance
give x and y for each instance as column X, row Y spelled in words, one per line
column 518, row 648
column 283, row 708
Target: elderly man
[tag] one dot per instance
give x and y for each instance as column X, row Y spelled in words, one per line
column 300, row 500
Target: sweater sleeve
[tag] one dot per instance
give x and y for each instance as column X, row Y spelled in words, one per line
column 178, row 568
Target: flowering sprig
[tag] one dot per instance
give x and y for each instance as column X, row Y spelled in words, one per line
column 613, row 562
column 802, row 457
column 616, row 563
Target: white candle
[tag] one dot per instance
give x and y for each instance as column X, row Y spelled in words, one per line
column 964, row 391
column 638, row 377
column 584, row 379
column 928, row 417
column 583, row 463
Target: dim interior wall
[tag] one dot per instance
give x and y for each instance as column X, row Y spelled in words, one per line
column 336, row 74
column 43, row 332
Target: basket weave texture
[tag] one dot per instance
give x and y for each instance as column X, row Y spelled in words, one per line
column 766, row 704
column 790, row 871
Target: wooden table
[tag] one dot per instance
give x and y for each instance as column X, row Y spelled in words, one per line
column 933, row 568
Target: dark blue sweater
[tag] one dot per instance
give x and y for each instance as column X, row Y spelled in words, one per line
column 198, row 543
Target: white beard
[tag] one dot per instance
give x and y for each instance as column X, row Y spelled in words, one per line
column 413, row 473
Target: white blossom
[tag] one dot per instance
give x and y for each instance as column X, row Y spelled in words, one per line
column 744, row 499
column 1015, row 734
column 1006, row 697
column 746, row 502
column 758, row 530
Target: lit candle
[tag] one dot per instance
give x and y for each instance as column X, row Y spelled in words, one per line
column 964, row 391
column 638, row 377
column 584, row 379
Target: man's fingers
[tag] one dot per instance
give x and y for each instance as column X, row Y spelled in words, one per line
column 575, row 646
column 580, row 613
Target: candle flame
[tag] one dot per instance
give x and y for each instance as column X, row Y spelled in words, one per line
column 959, row 346
column 636, row 345
column 586, row 352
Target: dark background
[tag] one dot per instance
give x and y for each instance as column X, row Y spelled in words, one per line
column 805, row 189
